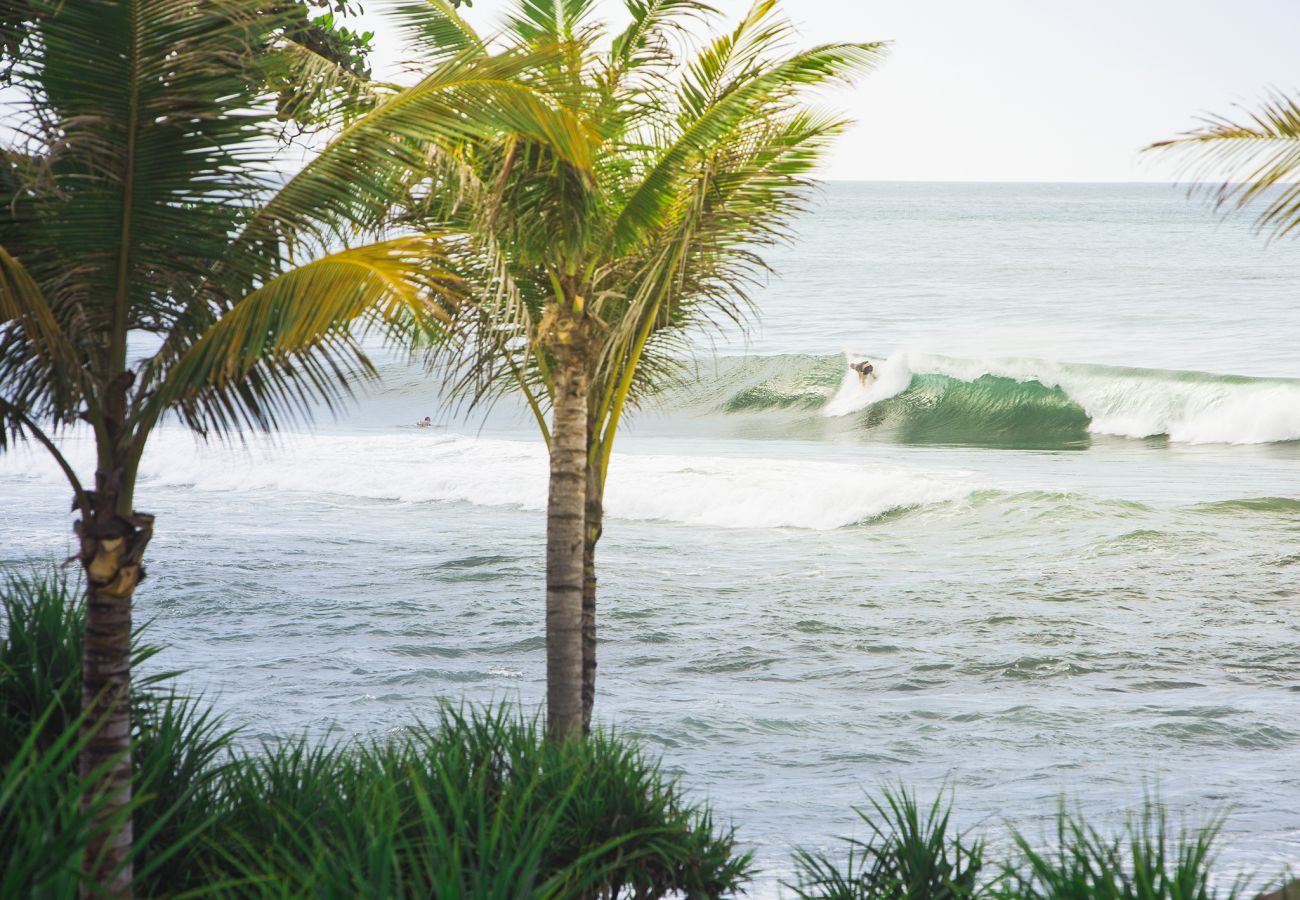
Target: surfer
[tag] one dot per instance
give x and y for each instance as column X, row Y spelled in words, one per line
column 426, row 422
column 864, row 369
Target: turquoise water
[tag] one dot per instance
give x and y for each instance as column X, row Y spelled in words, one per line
column 1051, row 552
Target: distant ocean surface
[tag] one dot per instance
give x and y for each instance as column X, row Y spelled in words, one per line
column 1051, row 554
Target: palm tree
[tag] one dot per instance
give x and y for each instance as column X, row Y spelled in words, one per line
column 1251, row 159
column 150, row 267
column 587, row 280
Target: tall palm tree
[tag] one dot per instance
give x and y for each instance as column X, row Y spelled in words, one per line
column 1250, row 159
column 585, row 280
column 151, row 267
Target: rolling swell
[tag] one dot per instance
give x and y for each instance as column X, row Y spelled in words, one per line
column 926, row 399
column 761, row 383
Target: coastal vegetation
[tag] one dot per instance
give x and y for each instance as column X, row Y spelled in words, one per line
column 151, row 267
column 550, row 211
column 477, row 803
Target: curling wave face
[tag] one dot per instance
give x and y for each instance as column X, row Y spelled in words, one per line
column 923, row 398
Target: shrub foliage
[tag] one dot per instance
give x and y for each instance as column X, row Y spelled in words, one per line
column 477, row 804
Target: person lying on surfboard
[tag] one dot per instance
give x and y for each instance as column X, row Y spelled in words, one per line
column 864, row 369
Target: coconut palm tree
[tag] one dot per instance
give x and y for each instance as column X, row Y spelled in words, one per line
column 153, row 265
column 1249, row 159
column 586, row 281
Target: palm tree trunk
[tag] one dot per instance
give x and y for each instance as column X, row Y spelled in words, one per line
column 594, row 526
column 565, row 518
column 112, row 546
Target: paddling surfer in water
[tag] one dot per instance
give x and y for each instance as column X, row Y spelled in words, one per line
column 864, row 369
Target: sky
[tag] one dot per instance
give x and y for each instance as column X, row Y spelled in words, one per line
column 1025, row 90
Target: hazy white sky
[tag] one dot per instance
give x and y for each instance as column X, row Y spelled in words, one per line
column 1029, row 90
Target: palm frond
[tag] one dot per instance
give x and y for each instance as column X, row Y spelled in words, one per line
column 551, row 21
column 494, row 351
column 144, row 114
column 289, row 343
column 754, row 184
column 643, row 41
column 433, row 31
column 758, row 39
column 762, row 93
column 351, row 185
column 318, row 89
column 1248, row 160
column 41, row 371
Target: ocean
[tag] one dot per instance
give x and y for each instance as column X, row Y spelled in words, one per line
column 1052, row 555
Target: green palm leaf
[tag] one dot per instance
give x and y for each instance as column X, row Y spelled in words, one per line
column 1250, row 160
column 646, row 209
column 354, row 182
column 44, row 376
column 225, row 376
column 551, row 21
column 433, row 30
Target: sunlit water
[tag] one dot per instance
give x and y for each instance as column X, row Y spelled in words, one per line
column 1013, row 566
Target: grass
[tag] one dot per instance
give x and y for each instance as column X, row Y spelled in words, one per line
column 1146, row 860
column 909, row 855
column 477, row 805
column 912, row 853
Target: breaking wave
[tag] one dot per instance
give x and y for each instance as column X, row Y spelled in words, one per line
column 422, row 466
column 925, row 398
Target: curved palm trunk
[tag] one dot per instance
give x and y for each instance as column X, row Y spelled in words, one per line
column 565, row 518
column 595, row 522
column 112, row 547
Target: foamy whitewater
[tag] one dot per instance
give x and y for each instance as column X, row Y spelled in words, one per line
column 1051, row 551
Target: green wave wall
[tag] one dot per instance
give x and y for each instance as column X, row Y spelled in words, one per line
column 990, row 410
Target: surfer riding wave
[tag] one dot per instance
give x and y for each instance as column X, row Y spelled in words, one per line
column 865, row 369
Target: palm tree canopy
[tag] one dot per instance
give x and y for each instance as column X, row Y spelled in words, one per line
column 153, row 258
column 699, row 157
column 1250, row 159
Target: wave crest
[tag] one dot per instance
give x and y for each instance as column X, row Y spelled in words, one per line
column 920, row 398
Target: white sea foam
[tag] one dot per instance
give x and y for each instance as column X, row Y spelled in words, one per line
column 722, row 492
column 1192, row 410
column 892, row 378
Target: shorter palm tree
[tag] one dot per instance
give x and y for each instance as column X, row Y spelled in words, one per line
column 1249, row 160
column 585, row 277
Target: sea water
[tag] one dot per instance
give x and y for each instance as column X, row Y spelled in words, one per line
column 1050, row 555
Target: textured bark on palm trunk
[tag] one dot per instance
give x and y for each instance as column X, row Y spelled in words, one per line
column 112, row 547
column 565, row 518
column 595, row 518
